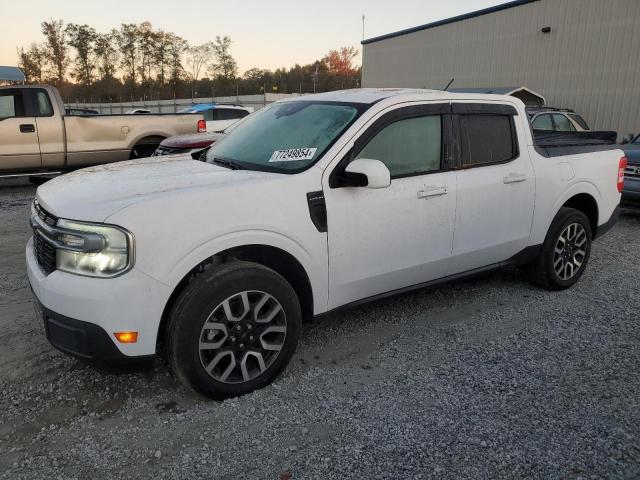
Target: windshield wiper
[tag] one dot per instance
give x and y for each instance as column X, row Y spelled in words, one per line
column 228, row 163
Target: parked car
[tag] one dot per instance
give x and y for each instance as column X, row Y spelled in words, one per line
column 315, row 204
column 37, row 137
column 556, row 120
column 138, row 111
column 80, row 111
column 187, row 143
column 219, row 116
column 631, row 191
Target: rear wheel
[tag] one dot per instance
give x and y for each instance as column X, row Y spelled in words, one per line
column 565, row 252
column 233, row 329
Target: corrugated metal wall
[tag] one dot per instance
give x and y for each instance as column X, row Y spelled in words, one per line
column 590, row 61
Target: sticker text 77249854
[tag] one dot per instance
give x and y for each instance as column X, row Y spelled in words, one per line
column 293, row 154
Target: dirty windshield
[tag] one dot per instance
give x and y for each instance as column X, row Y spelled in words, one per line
column 284, row 137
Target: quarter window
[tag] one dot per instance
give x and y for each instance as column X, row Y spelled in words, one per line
column 486, row 139
column 408, row 147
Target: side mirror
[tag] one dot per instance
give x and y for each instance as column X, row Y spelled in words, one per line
column 626, row 139
column 368, row 173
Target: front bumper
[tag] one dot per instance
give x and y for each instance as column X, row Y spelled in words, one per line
column 81, row 314
column 631, row 191
column 78, row 338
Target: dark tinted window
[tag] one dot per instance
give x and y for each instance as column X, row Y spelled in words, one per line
column 229, row 114
column 210, row 115
column 486, row 139
column 11, row 104
column 408, row 147
column 543, row 122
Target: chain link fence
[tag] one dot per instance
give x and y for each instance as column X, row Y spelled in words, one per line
column 173, row 106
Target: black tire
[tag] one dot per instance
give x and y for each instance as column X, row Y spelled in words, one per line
column 543, row 271
column 143, row 150
column 202, row 297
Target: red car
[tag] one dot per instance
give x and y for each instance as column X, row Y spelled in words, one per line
column 187, row 143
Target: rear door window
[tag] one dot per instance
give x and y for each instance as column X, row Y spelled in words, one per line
column 579, row 120
column 487, row 139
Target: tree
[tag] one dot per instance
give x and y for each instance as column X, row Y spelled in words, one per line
column 127, row 43
column 82, row 39
column 56, row 48
column 106, row 54
column 225, row 66
column 177, row 46
column 197, row 57
column 146, row 46
column 32, row 62
column 341, row 61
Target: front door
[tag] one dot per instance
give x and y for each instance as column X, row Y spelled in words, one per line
column 19, row 148
column 381, row 240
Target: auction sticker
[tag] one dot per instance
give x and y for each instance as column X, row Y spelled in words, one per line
column 293, row 154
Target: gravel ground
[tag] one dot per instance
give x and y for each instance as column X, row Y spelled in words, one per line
column 484, row 378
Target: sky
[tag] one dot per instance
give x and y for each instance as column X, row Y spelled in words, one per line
column 264, row 34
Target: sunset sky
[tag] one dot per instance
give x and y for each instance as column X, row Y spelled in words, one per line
column 264, row 34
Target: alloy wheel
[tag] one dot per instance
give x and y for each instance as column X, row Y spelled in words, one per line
column 570, row 251
column 242, row 337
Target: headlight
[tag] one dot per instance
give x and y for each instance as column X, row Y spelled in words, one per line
column 92, row 249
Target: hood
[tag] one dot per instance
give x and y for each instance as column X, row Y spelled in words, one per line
column 192, row 140
column 95, row 193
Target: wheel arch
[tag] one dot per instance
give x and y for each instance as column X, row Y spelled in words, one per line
column 588, row 205
column 148, row 139
column 275, row 258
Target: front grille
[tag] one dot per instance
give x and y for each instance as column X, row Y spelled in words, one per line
column 632, row 171
column 162, row 150
column 44, row 252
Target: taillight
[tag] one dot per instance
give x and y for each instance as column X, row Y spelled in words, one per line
column 621, row 167
column 202, row 126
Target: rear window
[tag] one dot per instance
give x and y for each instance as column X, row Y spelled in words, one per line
column 487, row 139
column 11, row 104
column 543, row 122
column 579, row 120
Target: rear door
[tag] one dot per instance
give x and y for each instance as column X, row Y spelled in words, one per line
column 19, row 148
column 496, row 186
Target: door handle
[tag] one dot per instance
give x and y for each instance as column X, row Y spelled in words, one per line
column 432, row 191
column 514, row 178
column 27, row 128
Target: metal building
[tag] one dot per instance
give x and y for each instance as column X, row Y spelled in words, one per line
column 580, row 54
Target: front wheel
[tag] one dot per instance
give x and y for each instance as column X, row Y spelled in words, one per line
column 565, row 252
column 233, row 329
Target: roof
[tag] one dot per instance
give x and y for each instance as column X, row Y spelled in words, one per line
column 374, row 95
column 477, row 13
column 361, row 95
column 12, row 74
column 497, row 91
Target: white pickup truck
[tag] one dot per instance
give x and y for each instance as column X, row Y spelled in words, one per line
column 305, row 207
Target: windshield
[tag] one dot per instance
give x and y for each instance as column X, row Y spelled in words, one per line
column 284, row 137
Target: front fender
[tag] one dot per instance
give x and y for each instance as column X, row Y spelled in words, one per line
column 315, row 268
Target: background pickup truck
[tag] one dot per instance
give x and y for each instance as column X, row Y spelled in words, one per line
column 38, row 138
column 314, row 204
